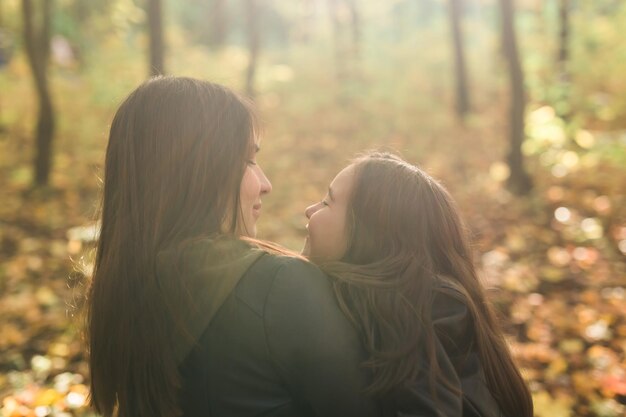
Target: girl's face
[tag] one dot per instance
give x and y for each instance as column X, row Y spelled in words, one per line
column 254, row 184
column 328, row 232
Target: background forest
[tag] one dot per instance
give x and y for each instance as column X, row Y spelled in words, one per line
column 518, row 106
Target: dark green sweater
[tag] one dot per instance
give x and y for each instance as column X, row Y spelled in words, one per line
column 272, row 340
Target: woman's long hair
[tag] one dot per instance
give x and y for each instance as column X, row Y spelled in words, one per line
column 176, row 155
column 405, row 233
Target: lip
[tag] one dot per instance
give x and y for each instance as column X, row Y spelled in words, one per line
column 256, row 209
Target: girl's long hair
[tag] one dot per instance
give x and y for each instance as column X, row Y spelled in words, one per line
column 405, row 234
column 176, row 155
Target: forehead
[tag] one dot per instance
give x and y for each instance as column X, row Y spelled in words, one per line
column 343, row 182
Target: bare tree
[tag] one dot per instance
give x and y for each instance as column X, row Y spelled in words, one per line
column 519, row 182
column 333, row 10
column 564, row 77
column 253, row 10
column 37, row 43
column 304, row 30
column 155, row 29
column 460, row 71
column 3, row 59
column 219, row 23
column 346, row 45
column 355, row 28
column 563, row 54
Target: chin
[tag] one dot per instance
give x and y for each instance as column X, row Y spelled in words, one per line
column 306, row 250
column 247, row 231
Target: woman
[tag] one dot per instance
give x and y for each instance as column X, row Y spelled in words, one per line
column 392, row 239
column 186, row 316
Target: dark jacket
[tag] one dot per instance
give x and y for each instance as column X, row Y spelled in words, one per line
column 272, row 340
column 466, row 394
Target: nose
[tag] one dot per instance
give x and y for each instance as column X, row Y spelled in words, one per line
column 266, row 185
column 311, row 210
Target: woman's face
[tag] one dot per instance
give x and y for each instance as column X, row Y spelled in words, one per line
column 254, row 184
column 328, row 233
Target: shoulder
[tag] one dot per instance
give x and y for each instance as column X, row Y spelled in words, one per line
column 284, row 270
column 290, row 279
column 449, row 303
column 452, row 318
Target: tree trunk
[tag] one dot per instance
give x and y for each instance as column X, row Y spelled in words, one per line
column 305, row 29
column 563, row 55
column 254, row 44
column 155, row 30
column 562, row 106
column 37, row 43
column 460, row 72
column 355, row 28
column 519, row 182
column 219, row 23
column 337, row 42
column 2, row 62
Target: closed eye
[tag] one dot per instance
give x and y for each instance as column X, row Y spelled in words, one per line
column 251, row 162
column 324, row 203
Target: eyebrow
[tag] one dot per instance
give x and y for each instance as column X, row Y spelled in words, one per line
column 330, row 194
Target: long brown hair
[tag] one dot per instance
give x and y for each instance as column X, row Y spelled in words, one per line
column 405, row 235
column 176, row 155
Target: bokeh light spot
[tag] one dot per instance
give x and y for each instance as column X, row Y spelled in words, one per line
column 562, row 214
column 559, row 170
column 592, row 228
column 499, row 171
column 585, row 139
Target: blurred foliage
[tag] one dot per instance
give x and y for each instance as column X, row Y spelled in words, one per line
column 554, row 262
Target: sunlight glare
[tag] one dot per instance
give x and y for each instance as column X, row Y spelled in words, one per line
column 598, row 331
column 42, row 410
column 569, row 159
column 499, row 171
column 75, row 400
column 535, row 299
column 592, row 228
column 559, row 170
column 585, row 139
column 562, row 214
column 542, row 115
column 602, row 204
column 282, row 73
column 559, row 256
column 555, row 193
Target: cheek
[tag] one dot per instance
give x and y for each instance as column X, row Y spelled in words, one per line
column 250, row 186
column 327, row 237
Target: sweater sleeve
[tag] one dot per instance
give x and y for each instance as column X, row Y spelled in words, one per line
column 313, row 346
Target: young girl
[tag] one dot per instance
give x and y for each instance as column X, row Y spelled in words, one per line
column 391, row 237
column 186, row 317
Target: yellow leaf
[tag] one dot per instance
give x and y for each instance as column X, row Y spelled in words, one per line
column 548, row 406
column 47, row 397
column 557, row 367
